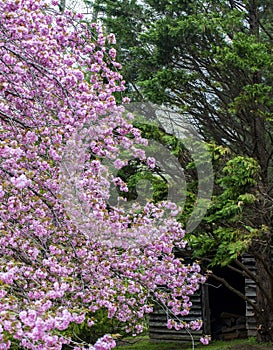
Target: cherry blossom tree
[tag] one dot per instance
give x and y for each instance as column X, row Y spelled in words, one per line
column 58, row 75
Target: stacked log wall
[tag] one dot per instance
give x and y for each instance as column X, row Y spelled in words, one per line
column 158, row 330
column 250, row 292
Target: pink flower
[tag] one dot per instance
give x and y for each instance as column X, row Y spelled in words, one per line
column 112, row 53
column 20, row 182
column 2, row 192
column 119, row 163
column 205, row 340
column 111, row 38
column 150, row 162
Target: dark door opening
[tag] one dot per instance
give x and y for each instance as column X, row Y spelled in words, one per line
column 227, row 310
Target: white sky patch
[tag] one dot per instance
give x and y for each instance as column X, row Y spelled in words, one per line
column 80, row 6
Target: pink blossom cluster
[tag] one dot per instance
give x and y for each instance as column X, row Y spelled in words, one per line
column 58, row 74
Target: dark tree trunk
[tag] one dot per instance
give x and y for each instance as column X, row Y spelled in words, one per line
column 262, row 250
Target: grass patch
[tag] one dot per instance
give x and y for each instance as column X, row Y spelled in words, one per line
column 143, row 343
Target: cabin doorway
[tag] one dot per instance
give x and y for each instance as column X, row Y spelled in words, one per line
column 227, row 310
